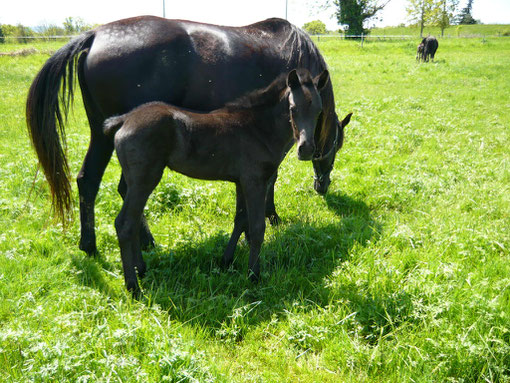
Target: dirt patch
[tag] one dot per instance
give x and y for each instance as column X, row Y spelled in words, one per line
column 23, row 52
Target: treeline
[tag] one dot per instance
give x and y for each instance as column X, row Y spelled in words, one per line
column 22, row 34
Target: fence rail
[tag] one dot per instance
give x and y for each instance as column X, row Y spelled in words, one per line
column 401, row 37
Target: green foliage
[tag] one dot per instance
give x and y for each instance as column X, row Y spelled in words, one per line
column 400, row 273
column 73, row 25
column 354, row 13
column 465, row 17
column 443, row 12
column 315, row 27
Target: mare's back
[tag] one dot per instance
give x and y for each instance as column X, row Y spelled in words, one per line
column 192, row 65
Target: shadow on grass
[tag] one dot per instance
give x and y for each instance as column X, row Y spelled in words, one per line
column 297, row 261
column 91, row 272
column 296, row 258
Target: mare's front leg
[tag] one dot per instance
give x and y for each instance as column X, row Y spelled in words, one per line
column 255, row 193
column 240, row 226
column 146, row 238
column 274, row 218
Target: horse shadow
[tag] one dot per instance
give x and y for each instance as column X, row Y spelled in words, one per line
column 297, row 258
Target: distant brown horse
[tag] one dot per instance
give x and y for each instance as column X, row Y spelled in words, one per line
column 243, row 142
column 129, row 62
column 427, row 49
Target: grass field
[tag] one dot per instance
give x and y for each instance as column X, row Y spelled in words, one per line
column 400, row 274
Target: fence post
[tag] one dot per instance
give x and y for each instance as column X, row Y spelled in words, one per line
column 361, row 39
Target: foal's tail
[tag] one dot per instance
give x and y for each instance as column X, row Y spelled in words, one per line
column 112, row 124
column 46, row 115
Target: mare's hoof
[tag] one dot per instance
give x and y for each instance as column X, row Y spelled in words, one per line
column 274, row 219
column 89, row 247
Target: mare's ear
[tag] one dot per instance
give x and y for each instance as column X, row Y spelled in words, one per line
column 346, row 120
column 293, row 79
column 322, row 79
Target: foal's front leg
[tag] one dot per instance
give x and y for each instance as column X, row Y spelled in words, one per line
column 274, row 218
column 240, row 226
column 255, row 194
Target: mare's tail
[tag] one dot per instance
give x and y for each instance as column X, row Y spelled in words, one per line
column 46, row 115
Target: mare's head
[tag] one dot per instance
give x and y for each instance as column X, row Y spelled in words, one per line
column 323, row 162
column 305, row 107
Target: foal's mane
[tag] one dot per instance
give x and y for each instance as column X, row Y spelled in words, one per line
column 269, row 95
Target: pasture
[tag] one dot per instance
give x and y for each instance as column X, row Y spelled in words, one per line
column 400, row 273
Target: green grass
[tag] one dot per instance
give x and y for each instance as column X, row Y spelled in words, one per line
column 401, row 273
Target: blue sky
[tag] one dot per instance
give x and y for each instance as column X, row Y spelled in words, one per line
column 226, row 12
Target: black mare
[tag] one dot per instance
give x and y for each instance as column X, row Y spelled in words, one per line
column 244, row 143
column 427, row 49
column 129, row 62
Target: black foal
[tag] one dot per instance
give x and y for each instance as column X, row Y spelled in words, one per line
column 244, row 143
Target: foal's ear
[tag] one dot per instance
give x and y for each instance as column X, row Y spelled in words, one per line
column 346, row 120
column 293, row 79
column 322, row 79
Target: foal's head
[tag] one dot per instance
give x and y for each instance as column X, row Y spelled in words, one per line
column 305, row 107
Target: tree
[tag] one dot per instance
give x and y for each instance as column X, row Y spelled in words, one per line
column 431, row 12
column 442, row 13
column 315, row 27
column 75, row 25
column 419, row 12
column 354, row 13
column 2, row 36
column 465, row 15
column 23, row 33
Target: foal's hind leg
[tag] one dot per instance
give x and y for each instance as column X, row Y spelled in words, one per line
column 240, row 225
column 140, row 185
column 146, row 238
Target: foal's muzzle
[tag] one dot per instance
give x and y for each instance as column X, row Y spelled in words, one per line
column 305, row 150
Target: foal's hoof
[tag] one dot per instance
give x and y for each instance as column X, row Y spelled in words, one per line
column 254, row 276
column 136, row 292
column 274, row 219
column 147, row 241
column 141, row 270
column 226, row 261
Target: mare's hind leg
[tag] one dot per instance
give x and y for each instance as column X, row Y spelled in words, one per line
column 88, row 180
column 274, row 218
column 146, row 238
column 240, row 225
